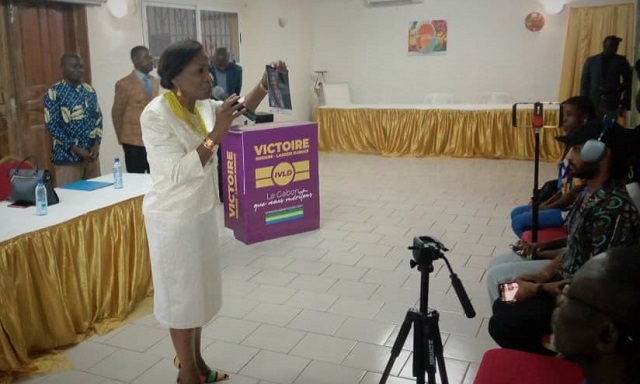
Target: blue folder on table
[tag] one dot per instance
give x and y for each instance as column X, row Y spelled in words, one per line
column 86, row 185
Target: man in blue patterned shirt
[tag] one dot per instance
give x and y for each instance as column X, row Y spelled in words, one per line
column 74, row 120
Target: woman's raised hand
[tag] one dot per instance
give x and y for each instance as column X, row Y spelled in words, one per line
column 229, row 110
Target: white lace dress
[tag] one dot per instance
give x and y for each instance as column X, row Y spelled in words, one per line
column 180, row 219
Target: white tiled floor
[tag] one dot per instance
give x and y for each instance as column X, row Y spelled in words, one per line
column 325, row 306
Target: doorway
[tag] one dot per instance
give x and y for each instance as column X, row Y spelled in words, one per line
column 33, row 38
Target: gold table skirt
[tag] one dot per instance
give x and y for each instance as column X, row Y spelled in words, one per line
column 60, row 284
column 435, row 132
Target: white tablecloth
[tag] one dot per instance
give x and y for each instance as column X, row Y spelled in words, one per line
column 16, row 221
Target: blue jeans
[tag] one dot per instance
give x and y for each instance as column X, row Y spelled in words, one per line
column 521, row 219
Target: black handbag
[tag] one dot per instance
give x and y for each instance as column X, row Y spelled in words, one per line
column 24, row 182
column 548, row 190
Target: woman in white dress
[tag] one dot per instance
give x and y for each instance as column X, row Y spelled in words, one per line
column 181, row 131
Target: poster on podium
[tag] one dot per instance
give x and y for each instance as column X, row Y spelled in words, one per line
column 271, row 181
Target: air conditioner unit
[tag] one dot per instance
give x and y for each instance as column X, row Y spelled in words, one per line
column 390, row 3
column 81, row 2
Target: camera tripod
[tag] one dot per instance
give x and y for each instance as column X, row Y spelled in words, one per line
column 427, row 343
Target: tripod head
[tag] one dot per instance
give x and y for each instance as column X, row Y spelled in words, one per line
column 425, row 251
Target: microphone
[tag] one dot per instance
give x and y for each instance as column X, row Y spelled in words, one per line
column 219, row 93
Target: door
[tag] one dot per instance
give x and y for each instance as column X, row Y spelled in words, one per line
column 7, row 126
column 39, row 34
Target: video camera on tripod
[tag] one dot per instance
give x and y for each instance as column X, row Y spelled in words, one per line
column 427, row 343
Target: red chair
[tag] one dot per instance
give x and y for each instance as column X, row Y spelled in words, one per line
column 506, row 366
column 8, row 163
column 545, row 235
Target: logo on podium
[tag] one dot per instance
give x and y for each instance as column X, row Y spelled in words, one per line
column 282, row 174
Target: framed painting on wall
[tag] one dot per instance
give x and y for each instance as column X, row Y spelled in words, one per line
column 427, row 37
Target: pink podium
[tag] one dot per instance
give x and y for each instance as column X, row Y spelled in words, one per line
column 270, row 180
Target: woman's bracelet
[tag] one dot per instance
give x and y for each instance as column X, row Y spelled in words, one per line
column 209, row 144
column 262, row 87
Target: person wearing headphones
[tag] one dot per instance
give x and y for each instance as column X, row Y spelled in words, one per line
column 602, row 217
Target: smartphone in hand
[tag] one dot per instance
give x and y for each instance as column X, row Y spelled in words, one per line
column 508, row 291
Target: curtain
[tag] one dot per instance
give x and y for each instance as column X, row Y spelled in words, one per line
column 588, row 26
column 436, row 132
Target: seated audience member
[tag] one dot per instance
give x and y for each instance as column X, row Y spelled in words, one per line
column 506, row 267
column 596, row 321
column 576, row 111
column 604, row 216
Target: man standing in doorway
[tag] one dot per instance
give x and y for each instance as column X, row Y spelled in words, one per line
column 606, row 79
column 73, row 118
column 228, row 75
column 133, row 93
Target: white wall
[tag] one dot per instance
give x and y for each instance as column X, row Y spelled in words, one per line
column 263, row 41
column 488, row 49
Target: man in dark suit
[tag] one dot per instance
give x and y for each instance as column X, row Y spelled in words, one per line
column 133, row 93
column 228, row 75
column 606, row 79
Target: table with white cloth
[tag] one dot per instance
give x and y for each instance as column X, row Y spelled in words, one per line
column 81, row 268
column 456, row 130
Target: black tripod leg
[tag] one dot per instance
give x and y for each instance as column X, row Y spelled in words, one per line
column 419, row 348
column 430, row 357
column 434, row 358
column 397, row 345
column 439, row 350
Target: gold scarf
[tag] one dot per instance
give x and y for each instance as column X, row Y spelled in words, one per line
column 193, row 120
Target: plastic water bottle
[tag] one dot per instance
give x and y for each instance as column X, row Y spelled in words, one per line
column 42, row 205
column 117, row 174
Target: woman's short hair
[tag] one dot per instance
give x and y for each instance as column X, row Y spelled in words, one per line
column 583, row 104
column 174, row 59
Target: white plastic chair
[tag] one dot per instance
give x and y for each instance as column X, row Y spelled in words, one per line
column 497, row 98
column 337, row 94
column 438, row 98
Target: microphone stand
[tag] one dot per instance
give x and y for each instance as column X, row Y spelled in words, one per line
column 538, row 119
column 537, row 125
column 427, row 342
